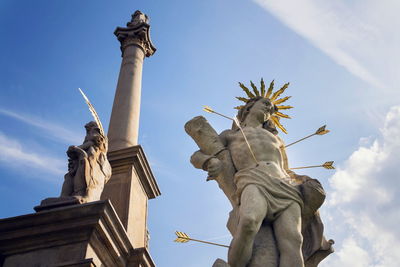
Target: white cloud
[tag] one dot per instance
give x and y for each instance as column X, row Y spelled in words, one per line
column 351, row 255
column 365, row 199
column 14, row 154
column 56, row 131
column 358, row 35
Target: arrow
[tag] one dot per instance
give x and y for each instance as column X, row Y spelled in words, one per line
column 321, row 131
column 327, row 165
column 210, row 110
column 184, row 238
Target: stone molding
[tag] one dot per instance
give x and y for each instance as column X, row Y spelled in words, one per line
column 142, row 256
column 123, row 159
column 93, row 224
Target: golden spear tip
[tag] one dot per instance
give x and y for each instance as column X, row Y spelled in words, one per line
column 208, row 109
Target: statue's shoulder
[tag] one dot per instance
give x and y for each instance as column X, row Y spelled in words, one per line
column 226, row 135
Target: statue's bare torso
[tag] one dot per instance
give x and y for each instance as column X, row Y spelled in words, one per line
column 265, row 145
column 269, row 156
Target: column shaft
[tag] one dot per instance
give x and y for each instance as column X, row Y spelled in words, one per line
column 124, row 123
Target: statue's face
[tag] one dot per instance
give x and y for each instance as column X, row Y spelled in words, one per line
column 262, row 110
column 91, row 125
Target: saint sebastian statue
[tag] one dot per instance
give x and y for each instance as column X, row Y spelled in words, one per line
column 274, row 221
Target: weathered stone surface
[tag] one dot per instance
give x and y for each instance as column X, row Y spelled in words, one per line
column 220, row 263
column 274, row 209
column 56, row 202
column 132, row 182
column 81, row 235
column 129, row 189
column 135, row 46
column 88, row 171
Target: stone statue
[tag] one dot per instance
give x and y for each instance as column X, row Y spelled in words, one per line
column 88, row 167
column 274, row 221
column 138, row 18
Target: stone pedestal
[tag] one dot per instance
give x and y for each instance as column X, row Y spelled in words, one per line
column 131, row 185
column 79, row 235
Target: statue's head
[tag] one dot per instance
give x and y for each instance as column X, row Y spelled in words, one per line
column 260, row 109
column 257, row 107
column 264, row 104
column 137, row 18
column 91, row 126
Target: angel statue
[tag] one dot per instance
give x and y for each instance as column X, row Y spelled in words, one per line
column 88, row 167
column 275, row 220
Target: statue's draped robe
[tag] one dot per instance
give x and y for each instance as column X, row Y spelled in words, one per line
column 93, row 170
column 279, row 195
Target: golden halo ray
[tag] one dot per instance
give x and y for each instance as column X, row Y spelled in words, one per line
column 269, row 94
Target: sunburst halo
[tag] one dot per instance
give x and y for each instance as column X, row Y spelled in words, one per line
column 269, row 94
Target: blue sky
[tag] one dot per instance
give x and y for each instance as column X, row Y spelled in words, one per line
column 341, row 58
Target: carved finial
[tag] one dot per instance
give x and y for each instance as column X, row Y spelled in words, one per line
column 136, row 33
column 138, row 18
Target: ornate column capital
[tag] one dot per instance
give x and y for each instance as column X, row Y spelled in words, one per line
column 136, row 33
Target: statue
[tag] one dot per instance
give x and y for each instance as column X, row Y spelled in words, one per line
column 274, row 221
column 88, row 167
column 138, row 18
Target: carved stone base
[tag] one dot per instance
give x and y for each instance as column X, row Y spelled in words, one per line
column 56, row 202
column 77, row 235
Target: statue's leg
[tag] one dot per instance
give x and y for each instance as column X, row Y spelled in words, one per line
column 68, row 186
column 287, row 228
column 80, row 178
column 252, row 211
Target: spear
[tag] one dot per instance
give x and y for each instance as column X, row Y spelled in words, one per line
column 184, row 238
column 320, row 131
column 327, row 165
column 210, row 110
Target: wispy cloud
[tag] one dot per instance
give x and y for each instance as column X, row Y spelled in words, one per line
column 357, row 35
column 364, row 203
column 15, row 154
column 54, row 130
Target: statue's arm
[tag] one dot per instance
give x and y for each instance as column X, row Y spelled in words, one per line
column 209, row 163
column 199, row 160
column 86, row 145
column 285, row 161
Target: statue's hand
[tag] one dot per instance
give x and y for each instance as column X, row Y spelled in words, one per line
column 214, row 168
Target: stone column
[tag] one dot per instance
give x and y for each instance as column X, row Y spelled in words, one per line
column 132, row 182
column 135, row 46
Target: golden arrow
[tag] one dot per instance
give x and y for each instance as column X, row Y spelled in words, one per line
column 327, row 165
column 210, row 110
column 321, row 131
column 184, row 238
